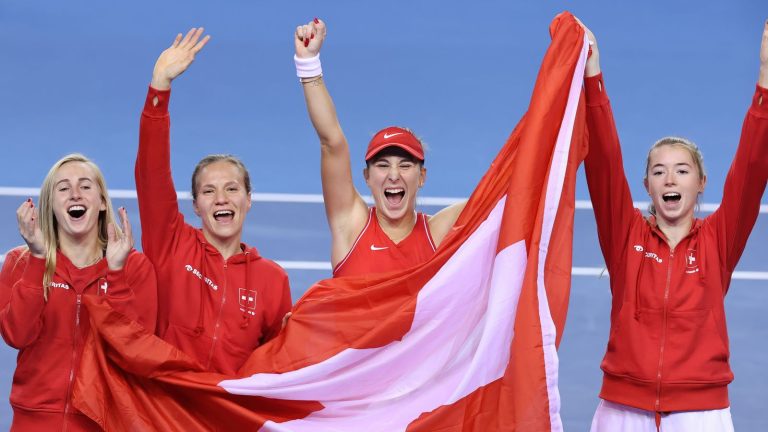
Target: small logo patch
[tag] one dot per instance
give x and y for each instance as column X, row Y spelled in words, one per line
column 58, row 285
column 651, row 255
column 103, row 285
column 691, row 261
column 199, row 275
column 376, row 248
column 247, row 300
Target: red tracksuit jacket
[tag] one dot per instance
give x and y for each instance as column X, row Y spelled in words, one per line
column 50, row 335
column 217, row 311
column 668, row 344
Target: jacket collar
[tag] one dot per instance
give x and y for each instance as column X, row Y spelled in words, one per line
column 695, row 226
column 237, row 258
column 79, row 278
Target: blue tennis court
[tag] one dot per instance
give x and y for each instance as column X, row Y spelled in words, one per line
column 74, row 78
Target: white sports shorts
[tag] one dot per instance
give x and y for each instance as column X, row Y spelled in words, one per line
column 614, row 417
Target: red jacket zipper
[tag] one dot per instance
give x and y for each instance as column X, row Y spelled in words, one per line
column 218, row 318
column 664, row 328
column 74, row 360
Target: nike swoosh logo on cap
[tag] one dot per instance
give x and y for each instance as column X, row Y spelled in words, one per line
column 375, row 248
column 388, row 136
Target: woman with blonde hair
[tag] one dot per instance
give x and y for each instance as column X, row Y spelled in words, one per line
column 74, row 248
column 666, row 364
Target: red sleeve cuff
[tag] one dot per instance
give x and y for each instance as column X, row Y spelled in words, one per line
column 33, row 273
column 595, row 90
column 759, row 106
column 161, row 109
column 116, row 283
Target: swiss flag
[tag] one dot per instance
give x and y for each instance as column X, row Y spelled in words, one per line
column 465, row 342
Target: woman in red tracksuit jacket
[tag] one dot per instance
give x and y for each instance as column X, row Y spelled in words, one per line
column 218, row 298
column 74, row 249
column 666, row 363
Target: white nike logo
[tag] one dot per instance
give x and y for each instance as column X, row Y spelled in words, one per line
column 375, row 248
column 388, row 136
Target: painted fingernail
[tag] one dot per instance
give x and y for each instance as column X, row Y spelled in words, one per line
column 312, row 36
column 306, row 42
column 29, row 199
column 317, row 21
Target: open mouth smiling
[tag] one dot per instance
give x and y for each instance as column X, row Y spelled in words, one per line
column 394, row 195
column 671, row 197
column 76, row 211
column 223, row 215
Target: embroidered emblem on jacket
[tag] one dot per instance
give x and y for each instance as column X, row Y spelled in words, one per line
column 651, row 255
column 691, row 261
column 58, row 285
column 247, row 299
column 199, row 275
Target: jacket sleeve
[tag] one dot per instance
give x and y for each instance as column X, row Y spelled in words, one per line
column 744, row 184
column 21, row 285
column 282, row 307
column 161, row 222
column 607, row 182
column 133, row 290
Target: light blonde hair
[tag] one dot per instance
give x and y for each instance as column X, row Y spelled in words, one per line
column 686, row 144
column 49, row 225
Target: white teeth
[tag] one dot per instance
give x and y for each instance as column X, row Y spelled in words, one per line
column 76, row 208
column 223, row 213
column 394, row 191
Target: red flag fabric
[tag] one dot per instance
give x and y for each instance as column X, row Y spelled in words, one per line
column 464, row 342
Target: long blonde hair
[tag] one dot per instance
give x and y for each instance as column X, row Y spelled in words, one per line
column 49, row 225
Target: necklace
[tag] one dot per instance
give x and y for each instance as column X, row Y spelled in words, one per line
column 98, row 258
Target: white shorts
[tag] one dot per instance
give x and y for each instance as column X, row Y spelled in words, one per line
column 613, row 417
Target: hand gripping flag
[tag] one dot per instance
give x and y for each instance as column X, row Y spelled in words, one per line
column 465, row 342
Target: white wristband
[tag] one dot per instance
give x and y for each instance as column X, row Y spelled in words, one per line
column 308, row 67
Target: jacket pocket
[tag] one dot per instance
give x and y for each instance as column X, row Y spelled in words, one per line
column 233, row 352
column 696, row 350
column 42, row 373
column 633, row 345
column 194, row 345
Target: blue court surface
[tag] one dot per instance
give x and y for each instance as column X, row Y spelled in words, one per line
column 74, row 78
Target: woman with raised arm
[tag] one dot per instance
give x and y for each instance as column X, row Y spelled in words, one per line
column 391, row 235
column 73, row 248
column 666, row 363
column 218, row 298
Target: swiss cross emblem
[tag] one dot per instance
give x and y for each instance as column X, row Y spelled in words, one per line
column 691, row 261
column 102, row 283
column 247, row 300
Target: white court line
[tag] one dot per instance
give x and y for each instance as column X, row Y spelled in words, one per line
column 434, row 201
column 575, row 271
column 318, row 198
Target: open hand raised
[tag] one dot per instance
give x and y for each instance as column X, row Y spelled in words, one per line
column 118, row 247
column 177, row 58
